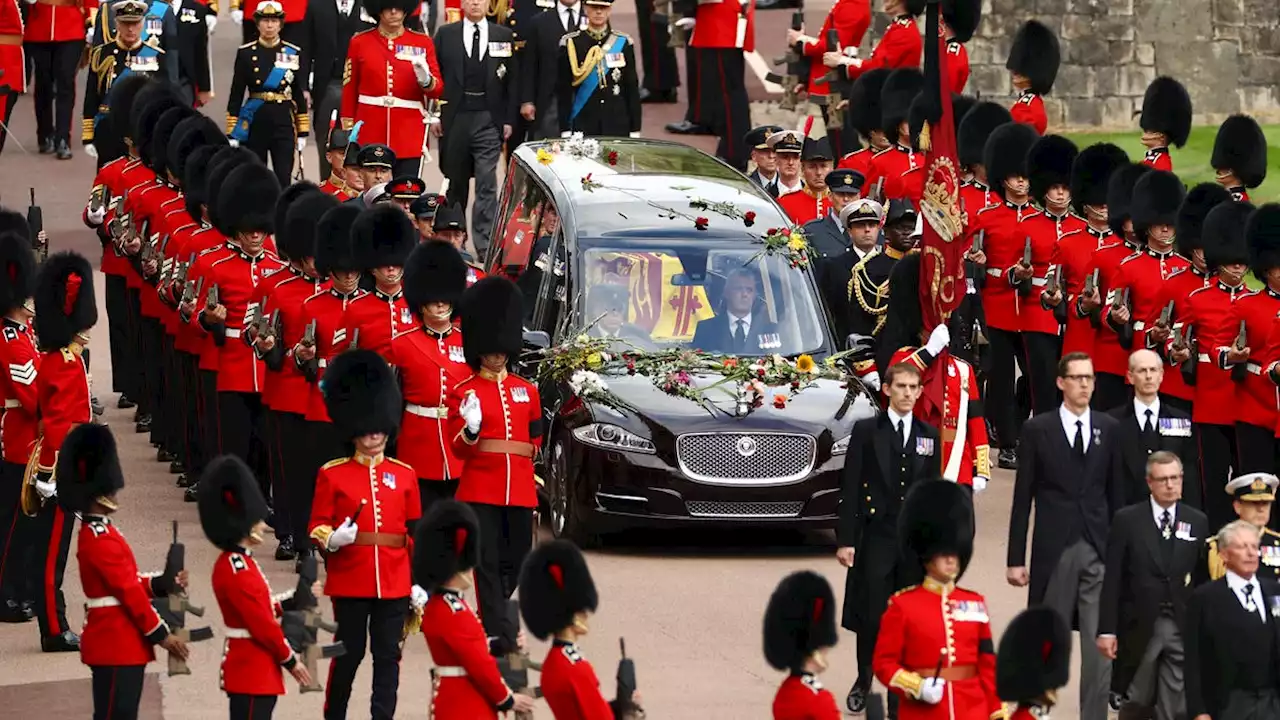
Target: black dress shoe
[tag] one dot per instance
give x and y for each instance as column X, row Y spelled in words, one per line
column 124, row 403
column 66, row 641
column 144, row 424
column 285, row 551
column 138, row 414
column 665, row 96
column 97, row 407
column 684, row 127
column 46, row 146
column 856, row 701
column 189, row 495
column 64, row 153
column 165, row 456
column 1007, row 459
column 186, row 480
column 15, row 612
column 177, row 468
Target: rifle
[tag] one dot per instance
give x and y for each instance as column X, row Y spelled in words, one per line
column 35, row 220
column 1185, row 338
column 833, row 45
column 877, row 191
column 303, row 623
column 1240, row 370
column 795, row 62
column 254, row 320
column 1024, row 287
column 309, row 335
column 98, row 199
column 355, row 340
column 211, row 300
column 1119, row 299
column 191, row 291
column 624, row 705
column 515, row 665
column 177, row 605
column 1054, row 281
column 1166, row 316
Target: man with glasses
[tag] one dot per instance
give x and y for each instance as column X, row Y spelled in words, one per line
column 1148, row 426
column 741, row 329
column 1068, row 468
column 1142, row 635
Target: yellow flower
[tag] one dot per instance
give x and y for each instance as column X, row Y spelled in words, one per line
column 545, row 157
column 594, row 360
column 805, row 364
column 797, row 242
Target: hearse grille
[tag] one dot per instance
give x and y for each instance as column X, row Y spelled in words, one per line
column 746, row 458
column 708, row 509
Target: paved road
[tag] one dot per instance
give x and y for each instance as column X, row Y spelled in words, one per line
column 689, row 604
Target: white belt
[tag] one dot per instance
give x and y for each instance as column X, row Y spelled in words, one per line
column 1139, row 325
column 1253, row 368
column 1039, row 282
column 451, row 671
column 238, row 634
column 102, row 602
column 390, row 101
column 232, row 333
column 995, row 272
column 1203, row 357
column 11, row 403
column 436, row 413
column 322, row 363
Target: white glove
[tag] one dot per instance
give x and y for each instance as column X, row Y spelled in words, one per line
column 96, row 217
column 302, row 144
column 343, row 536
column 237, row 16
column 979, row 484
column 211, row 21
column 469, row 409
column 565, row 134
column 931, row 690
column 47, row 490
column 233, row 142
column 635, row 134
column 939, row 339
column 686, row 22
column 91, row 151
column 417, row 597
column 872, row 380
column 423, row 72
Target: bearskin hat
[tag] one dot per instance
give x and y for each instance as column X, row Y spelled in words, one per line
column 375, row 7
column 153, row 101
column 904, row 319
column 229, row 502
column 296, row 236
column 936, row 519
column 963, row 17
column 864, row 101
column 1241, row 148
column 1035, row 655
column 434, row 272
column 247, row 200
column 1156, row 198
column 1035, row 55
column 976, row 127
column 555, row 585
column 1049, row 163
column 15, row 222
column 900, row 89
column 194, row 179
column 163, row 134
column 799, row 620
column 1222, row 234
column 279, row 217
column 446, row 542
column 1195, row 206
column 960, row 106
column 17, row 271
column 383, row 236
column 1263, row 233
column 193, row 132
column 492, row 314
column 334, row 250
column 108, row 141
column 64, row 300
column 1166, row 108
column 88, row 467
column 1120, row 195
column 1005, row 155
column 1091, row 171
column 123, row 96
column 361, row 394
column 220, row 166
column 920, row 112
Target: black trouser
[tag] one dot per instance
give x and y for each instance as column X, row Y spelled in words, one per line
column 272, row 134
column 1041, row 353
column 878, row 573
column 1217, row 454
column 252, row 707
column 470, row 150
column 1109, row 392
column 322, row 444
column 723, row 96
column 381, row 622
column 326, row 100
column 17, row 538
column 433, row 491
column 52, row 534
column 117, row 691
column 137, row 355
column 693, row 86
column 173, row 433
column 1000, row 401
column 289, row 484
column 55, row 65
column 153, row 375
column 240, row 433
column 187, row 365
column 656, row 56
column 118, row 335
column 506, row 536
column 208, row 418
column 8, row 101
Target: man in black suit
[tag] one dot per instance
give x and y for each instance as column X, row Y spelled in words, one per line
column 887, row 454
column 1155, row 552
column 194, row 77
column 607, row 306
column 740, row 329
column 480, row 97
column 827, row 235
column 541, row 71
column 1233, row 637
column 327, row 30
column 1148, row 425
column 1070, row 468
column 766, row 163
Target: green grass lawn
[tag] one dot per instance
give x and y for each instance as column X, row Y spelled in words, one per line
column 1191, row 163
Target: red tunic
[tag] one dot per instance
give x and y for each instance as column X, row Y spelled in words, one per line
column 1004, row 243
column 1143, row 274
column 337, row 189
column 511, row 413
column 13, row 62
column 379, row 317
column 326, row 309
column 957, row 410
column 1159, row 159
column 210, row 246
column 58, row 22
column 389, row 490
column 900, row 47
column 255, row 650
column 725, row 24
column 149, row 215
column 1271, row 360
column 570, row 685
column 1209, row 310
column 1108, row 355
column 803, row 205
column 802, row 697
column 974, row 196
column 1045, row 230
column 62, row 386
column 288, row 389
column 859, row 160
column 237, row 276
column 381, row 89
column 919, row 623
column 850, row 19
column 1176, row 289
column 1029, row 109
column 266, row 288
column 457, row 640
column 20, row 422
column 1074, row 253
column 902, row 170
column 1256, row 397
column 120, row 626
column 957, row 66
column 430, row 365
column 110, row 176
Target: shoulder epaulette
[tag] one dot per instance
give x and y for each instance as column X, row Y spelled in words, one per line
column 454, row 602
column 334, row 463
column 1269, row 531
column 878, row 153
column 316, row 295
column 906, row 589
column 237, row 562
column 206, row 251
column 1026, row 99
column 991, row 207
column 295, row 47
column 10, row 334
column 401, row 463
column 1132, row 257
column 248, row 44
column 464, row 382
column 1200, row 289
column 67, row 355
column 98, row 529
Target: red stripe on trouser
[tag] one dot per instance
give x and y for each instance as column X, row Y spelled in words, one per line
column 111, row 696
column 50, row 568
column 8, row 544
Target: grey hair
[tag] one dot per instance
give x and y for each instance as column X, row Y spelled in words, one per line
column 1234, row 528
column 1162, row 457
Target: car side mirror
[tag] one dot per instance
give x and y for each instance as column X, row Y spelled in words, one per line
column 536, row 339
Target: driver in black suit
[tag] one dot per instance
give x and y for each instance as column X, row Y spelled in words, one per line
column 739, row 329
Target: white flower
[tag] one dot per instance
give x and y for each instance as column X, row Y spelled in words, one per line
column 587, row 384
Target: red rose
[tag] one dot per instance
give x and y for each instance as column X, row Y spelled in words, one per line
column 749, row 219
column 701, row 223
column 780, row 401
column 613, row 157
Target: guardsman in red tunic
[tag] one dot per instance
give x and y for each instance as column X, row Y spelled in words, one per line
column 863, row 115
column 971, row 138
column 1034, row 662
column 430, row 361
column 390, row 76
column 121, row 628
column 19, row 424
column 1007, row 284
column 383, row 237
column 495, row 424
column 13, row 64
column 814, row 199
column 1165, row 121
column 937, row 617
column 54, row 37
column 901, row 167
column 233, row 514
column 959, row 23
column 1255, row 396
column 65, row 313
column 799, row 631
column 1240, row 156
column 466, row 682
column 899, row 47
column 557, row 598
column 363, row 516
column 849, row 20
column 724, row 33
column 1033, row 65
column 336, row 153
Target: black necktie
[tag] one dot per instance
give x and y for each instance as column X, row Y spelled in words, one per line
column 1166, row 525
column 1248, row 598
column 475, row 42
column 902, row 435
column 573, row 21
column 1148, row 427
column 1078, row 445
column 740, row 335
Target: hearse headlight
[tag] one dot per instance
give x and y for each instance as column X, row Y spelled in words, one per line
column 841, row 446
column 612, row 437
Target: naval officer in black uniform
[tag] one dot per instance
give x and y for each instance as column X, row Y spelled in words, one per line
column 598, row 91
column 826, row 234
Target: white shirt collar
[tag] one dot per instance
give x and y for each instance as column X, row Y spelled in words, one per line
column 467, row 30
column 1157, row 511
column 1140, row 411
column 734, row 320
column 1237, row 583
column 784, row 189
column 1069, row 420
column 895, row 418
column 862, row 254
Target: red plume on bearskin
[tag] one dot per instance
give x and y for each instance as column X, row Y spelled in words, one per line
column 65, row 303
column 88, row 467
column 446, row 542
column 555, row 584
column 1034, row 656
column 229, row 502
column 799, row 620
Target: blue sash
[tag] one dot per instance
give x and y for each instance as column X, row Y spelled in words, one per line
column 274, row 79
column 592, row 81
column 146, row 52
